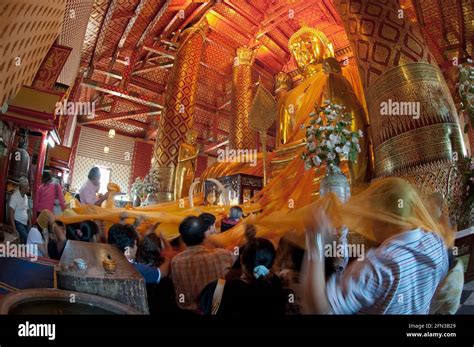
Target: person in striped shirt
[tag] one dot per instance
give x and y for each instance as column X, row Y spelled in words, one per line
column 400, row 276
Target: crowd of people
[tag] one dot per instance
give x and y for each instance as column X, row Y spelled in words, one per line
column 411, row 269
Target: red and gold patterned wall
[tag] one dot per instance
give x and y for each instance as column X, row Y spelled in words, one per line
column 28, row 28
column 141, row 162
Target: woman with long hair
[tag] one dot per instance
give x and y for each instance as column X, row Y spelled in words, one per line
column 49, row 196
column 257, row 292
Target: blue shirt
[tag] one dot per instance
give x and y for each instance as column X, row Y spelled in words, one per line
column 150, row 273
column 399, row 277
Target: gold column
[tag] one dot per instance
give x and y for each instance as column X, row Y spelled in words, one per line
column 179, row 108
column 398, row 70
column 241, row 136
column 283, row 84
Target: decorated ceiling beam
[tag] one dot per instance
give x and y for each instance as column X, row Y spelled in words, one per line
column 219, row 72
column 330, row 9
column 135, row 123
column 148, row 85
column 108, row 89
column 113, row 74
column 103, row 116
column 131, row 23
column 251, row 18
column 146, row 33
column 196, row 13
column 170, row 23
column 161, row 52
column 231, row 24
column 103, row 33
column 165, row 65
column 275, row 18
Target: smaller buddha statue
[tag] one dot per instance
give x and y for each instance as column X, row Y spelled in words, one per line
column 20, row 159
column 286, row 122
column 187, row 158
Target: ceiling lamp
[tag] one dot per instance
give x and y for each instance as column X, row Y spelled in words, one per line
column 106, row 149
column 111, row 133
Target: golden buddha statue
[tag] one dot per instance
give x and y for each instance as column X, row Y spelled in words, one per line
column 187, row 157
column 283, row 84
column 322, row 79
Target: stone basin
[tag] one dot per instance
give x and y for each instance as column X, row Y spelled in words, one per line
column 59, row 302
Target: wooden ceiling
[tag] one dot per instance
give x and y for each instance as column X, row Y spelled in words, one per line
column 130, row 46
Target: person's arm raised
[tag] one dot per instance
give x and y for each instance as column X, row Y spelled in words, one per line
column 168, row 253
column 102, row 199
column 315, row 289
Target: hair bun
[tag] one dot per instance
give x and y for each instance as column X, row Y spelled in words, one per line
column 250, row 233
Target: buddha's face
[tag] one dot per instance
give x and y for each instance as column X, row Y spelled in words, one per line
column 308, row 50
column 191, row 137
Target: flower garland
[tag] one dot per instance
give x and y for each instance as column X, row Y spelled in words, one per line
column 329, row 138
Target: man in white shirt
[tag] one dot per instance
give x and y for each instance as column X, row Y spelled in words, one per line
column 88, row 192
column 38, row 234
column 19, row 210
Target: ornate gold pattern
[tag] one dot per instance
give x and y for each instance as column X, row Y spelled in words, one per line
column 242, row 136
column 441, row 176
column 180, row 105
column 419, row 146
column 380, row 38
column 416, row 82
column 395, row 66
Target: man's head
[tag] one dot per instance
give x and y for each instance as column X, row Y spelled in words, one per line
column 57, row 230
column 235, row 213
column 209, row 222
column 94, row 175
column 46, row 178
column 125, row 238
column 24, row 186
column 192, row 231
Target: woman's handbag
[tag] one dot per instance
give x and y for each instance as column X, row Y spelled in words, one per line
column 217, row 297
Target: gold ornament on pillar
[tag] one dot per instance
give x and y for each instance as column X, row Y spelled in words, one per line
column 242, row 136
column 413, row 118
column 187, row 158
column 179, row 108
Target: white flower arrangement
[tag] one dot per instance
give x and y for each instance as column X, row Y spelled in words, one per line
column 466, row 88
column 150, row 184
column 152, row 181
column 138, row 188
column 329, row 138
